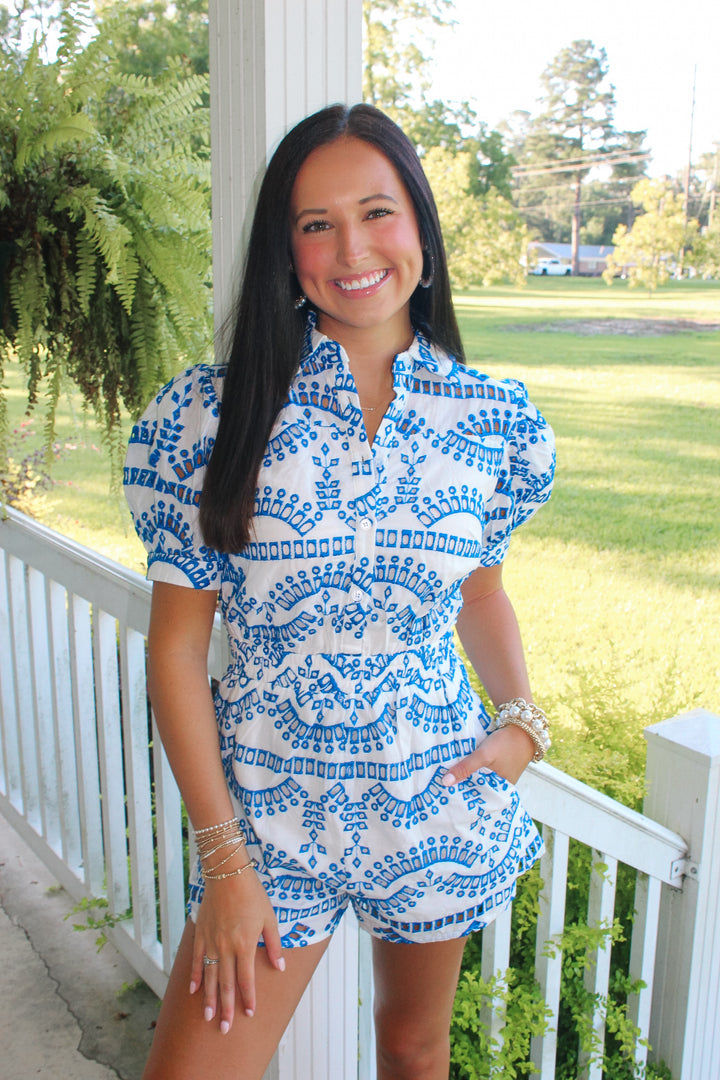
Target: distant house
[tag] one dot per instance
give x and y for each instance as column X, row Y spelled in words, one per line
column 592, row 256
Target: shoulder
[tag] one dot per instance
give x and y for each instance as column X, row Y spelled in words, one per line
column 191, row 400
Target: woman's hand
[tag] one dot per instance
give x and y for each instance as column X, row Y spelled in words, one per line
column 235, row 913
column 507, row 752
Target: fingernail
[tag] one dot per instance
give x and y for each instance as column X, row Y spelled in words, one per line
column 448, row 780
column 209, row 1012
column 281, row 964
column 224, row 1027
column 193, row 987
column 249, row 1012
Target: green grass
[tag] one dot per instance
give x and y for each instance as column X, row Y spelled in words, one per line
column 616, row 582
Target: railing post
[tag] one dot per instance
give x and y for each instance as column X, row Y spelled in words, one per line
column 683, row 781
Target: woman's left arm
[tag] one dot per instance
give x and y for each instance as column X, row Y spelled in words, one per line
column 490, row 636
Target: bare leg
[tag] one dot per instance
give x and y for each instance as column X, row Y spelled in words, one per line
column 414, row 993
column 188, row 1047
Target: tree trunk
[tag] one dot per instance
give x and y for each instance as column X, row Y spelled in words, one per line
column 575, row 239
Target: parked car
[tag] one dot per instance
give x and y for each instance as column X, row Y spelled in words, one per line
column 551, row 267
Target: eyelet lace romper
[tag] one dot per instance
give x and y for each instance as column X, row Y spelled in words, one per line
column 345, row 700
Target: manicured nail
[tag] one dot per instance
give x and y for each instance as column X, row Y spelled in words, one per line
column 249, row 1012
column 448, row 780
column 280, row 964
column 224, row 1027
column 193, row 987
column 209, row 1012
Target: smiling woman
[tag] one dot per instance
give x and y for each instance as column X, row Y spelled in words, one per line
column 348, row 488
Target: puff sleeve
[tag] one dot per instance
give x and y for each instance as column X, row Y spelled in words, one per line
column 168, row 452
column 525, row 479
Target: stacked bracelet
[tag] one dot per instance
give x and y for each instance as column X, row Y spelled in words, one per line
column 214, row 839
column 529, row 718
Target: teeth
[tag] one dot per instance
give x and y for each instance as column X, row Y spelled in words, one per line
column 362, row 283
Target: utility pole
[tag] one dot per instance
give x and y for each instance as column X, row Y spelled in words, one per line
column 686, row 198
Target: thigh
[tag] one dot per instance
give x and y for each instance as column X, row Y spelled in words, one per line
column 188, row 1047
column 415, row 986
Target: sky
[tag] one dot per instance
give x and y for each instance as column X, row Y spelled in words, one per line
column 499, row 48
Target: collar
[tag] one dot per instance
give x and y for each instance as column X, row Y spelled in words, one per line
column 320, row 353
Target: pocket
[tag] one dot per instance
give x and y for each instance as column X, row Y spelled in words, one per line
column 496, row 791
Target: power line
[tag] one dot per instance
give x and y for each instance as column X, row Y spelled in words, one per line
column 574, row 164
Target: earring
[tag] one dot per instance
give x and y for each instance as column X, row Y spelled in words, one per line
column 426, row 281
column 301, row 300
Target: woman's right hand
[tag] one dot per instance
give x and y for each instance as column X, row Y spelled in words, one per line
column 234, row 914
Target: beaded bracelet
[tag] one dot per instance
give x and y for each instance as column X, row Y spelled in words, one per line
column 211, row 876
column 215, row 838
column 529, row 718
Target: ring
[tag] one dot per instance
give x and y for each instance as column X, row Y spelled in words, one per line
column 208, row 960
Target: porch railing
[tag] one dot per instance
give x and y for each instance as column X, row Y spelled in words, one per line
column 84, row 780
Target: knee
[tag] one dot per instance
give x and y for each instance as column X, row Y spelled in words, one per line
column 409, row 1052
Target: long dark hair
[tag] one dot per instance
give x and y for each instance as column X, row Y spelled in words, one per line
column 268, row 331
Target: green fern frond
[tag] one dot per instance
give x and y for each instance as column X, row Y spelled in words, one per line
column 70, row 129
column 86, row 275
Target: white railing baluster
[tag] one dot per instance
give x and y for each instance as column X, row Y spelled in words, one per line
column 601, row 908
column 107, row 699
column 39, row 633
column 643, row 948
column 20, row 643
column 495, row 962
column 62, row 707
column 171, row 878
column 11, row 776
column 86, row 744
column 136, row 731
column 548, row 964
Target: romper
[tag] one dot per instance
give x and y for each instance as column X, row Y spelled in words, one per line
column 345, row 699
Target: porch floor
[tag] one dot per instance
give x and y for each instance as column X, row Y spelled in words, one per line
column 65, row 1012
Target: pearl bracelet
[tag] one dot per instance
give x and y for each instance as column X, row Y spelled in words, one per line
column 529, row 718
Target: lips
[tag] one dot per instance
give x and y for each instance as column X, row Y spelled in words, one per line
column 365, row 282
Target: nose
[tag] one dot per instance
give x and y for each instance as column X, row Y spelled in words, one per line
column 352, row 244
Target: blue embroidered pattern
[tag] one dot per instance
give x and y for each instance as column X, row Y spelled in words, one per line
column 345, row 700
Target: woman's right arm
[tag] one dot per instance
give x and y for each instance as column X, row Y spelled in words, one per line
column 235, row 912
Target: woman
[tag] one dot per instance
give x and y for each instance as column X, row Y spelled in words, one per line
column 351, row 503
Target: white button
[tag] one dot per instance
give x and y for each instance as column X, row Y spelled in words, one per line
column 356, row 594
column 366, row 524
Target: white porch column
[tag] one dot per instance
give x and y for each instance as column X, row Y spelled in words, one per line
column 271, row 63
column 683, row 774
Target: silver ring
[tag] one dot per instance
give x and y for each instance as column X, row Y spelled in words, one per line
column 209, row 960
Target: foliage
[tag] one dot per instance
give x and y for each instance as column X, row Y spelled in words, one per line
column 104, row 223
column 99, row 923
column 148, row 34
column 485, row 238
column 397, row 35
column 474, row 1053
column 557, row 149
column 706, row 251
column 647, row 253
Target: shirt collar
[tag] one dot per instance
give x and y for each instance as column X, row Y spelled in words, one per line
column 320, row 352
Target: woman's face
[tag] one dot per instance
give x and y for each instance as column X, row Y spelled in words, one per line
column 355, row 241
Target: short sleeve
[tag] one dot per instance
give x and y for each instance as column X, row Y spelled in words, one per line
column 525, row 479
column 167, row 455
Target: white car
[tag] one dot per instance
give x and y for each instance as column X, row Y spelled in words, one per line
column 551, row 268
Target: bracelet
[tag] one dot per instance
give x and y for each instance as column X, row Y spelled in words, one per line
column 214, row 828
column 211, row 876
column 529, row 718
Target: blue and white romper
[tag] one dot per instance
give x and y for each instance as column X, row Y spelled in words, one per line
column 345, row 700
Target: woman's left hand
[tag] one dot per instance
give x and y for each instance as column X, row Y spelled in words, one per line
column 507, row 752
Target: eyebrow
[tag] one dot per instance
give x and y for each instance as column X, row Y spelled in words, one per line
column 361, row 202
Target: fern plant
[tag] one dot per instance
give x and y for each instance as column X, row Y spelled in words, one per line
column 105, row 248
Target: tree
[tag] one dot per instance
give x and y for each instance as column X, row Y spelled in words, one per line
column 396, row 69
column 574, row 133
column 104, row 223
column 706, row 251
column 485, row 238
column 148, row 34
column 646, row 254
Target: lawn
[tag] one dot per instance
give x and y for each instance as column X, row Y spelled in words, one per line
column 616, row 581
